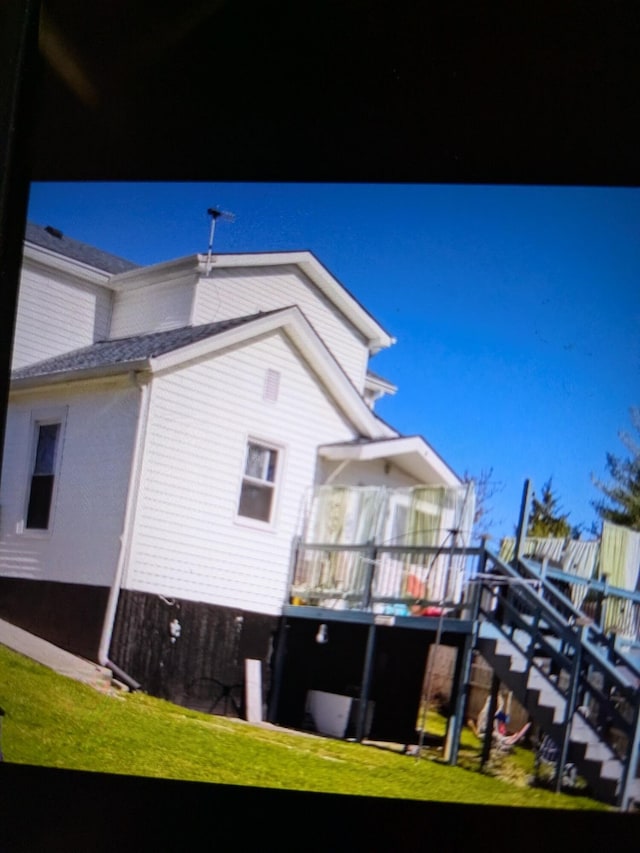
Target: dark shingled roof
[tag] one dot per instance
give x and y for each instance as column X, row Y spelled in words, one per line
column 48, row 238
column 129, row 350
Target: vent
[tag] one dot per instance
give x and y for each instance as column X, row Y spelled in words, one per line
column 271, row 385
column 55, row 232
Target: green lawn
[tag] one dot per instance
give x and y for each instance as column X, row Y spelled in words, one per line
column 55, row 722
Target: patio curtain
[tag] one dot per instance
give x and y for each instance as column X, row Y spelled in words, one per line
column 344, row 515
column 418, row 516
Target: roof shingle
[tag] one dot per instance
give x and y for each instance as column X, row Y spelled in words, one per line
column 48, row 238
column 128, row 350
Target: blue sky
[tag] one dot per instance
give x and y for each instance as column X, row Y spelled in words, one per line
column 516, row 309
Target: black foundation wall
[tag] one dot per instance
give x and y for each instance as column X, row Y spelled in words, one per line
column 69, row 615
column 203, row 667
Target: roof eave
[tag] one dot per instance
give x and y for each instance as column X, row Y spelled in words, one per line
column 411, row 453
column 141, row 276
column 377, row 337
column 60, row 377
column 53, row 260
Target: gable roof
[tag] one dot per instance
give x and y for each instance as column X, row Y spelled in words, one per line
column 55, row 241
column 165, row 351
column 320, row 277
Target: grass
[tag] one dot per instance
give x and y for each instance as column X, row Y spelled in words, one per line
column 55, row 722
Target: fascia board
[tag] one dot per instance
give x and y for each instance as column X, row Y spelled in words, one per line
column 76, row 377
column 156, row 273
column 375, row 384
column 335, row 292
column 51, row 261
column 293, row 322
column 414, row 446
column 378, row 338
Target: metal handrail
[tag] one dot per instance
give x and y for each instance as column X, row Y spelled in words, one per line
column 581, row 656
column 592, row 633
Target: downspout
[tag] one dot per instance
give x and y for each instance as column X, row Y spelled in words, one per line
column 127, row 533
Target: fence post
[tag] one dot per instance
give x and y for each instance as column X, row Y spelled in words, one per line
column 522, row 523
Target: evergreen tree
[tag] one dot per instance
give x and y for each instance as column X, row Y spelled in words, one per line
column 545, row 518
column 623, row 494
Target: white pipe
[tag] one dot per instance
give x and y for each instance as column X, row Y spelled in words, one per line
column 127, row 530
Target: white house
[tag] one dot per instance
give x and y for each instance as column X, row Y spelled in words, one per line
column 165, row 427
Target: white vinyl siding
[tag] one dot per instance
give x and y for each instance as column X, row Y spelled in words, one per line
column 55, row 315
column 95, row 452
column 188, row 540
column 243, row 291
column 154, row 308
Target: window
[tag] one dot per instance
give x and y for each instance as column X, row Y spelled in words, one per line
column 258, row 482
column 43, row 476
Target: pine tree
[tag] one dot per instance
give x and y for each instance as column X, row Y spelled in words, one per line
column 545, row 518
column 623, row 504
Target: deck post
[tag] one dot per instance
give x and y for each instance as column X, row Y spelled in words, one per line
column 365, row 687
column 463, row 670
column 278, row 665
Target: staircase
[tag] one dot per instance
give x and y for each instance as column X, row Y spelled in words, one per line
column 569, row 676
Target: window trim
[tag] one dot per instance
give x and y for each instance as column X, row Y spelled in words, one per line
column 248, row 521
column 40, row 418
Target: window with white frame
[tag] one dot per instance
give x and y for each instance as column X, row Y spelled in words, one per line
column 259, row 482
column 43, row 474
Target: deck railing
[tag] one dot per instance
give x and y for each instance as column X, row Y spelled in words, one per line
column 613, row 609
column 382, row 578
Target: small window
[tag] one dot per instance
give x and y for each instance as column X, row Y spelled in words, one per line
column 43, row 476
column 258, row 482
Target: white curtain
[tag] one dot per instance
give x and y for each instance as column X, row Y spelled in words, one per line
column 418, row 516
column 344, row 515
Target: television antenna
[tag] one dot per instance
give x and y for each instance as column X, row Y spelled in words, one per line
column 215, row 214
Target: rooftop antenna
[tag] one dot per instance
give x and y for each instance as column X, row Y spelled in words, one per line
column 216, row 214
